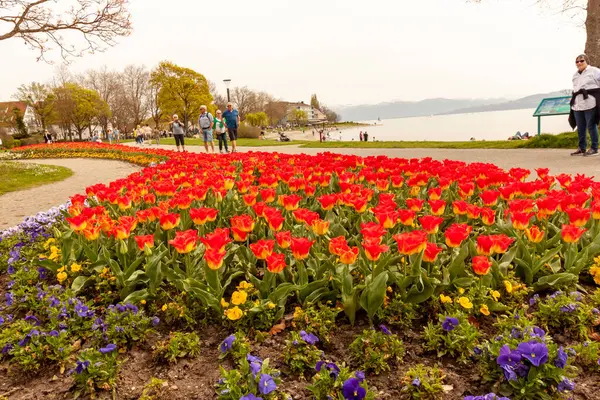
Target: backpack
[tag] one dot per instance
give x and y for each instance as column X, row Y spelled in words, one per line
column 205, row 120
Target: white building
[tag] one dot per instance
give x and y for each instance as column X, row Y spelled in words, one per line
column 313, row 115
column 8, row 117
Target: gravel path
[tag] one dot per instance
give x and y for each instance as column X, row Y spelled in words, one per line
column 15, row 206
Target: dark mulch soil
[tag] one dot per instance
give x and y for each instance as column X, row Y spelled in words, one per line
column 196, row 378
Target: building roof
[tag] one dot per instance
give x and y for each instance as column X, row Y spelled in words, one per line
column 7, row 117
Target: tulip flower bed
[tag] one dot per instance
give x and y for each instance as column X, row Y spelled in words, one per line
column 272, row 276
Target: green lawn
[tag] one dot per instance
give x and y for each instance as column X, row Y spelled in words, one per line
column 415, row 145
column 240, row 142
column 19, row 176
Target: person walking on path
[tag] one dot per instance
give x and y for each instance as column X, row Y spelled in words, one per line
column 220, row 128
column 176, row 127
column 205, row 122
column 116, row 135
column 584, row 107
column 232, row 120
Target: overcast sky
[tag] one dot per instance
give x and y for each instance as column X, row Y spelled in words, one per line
column 346, row 51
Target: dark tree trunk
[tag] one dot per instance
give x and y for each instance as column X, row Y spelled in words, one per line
column 592, row 27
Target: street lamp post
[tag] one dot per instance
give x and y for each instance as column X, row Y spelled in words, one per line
column 227, row 82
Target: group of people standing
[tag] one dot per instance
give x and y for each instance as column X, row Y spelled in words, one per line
column 223, row 124
column 363, row 137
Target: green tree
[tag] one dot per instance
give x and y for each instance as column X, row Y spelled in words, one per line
column 182, row 91
column 331, row 115
column 20, row 127
column 41, row 99
column 314, row 102
column 80, row 108
column 257, row 119
column 300, row 116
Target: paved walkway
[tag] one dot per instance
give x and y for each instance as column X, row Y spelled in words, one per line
column 15, row 206
column 558, row 160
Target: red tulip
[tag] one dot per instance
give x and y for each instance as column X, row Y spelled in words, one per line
column 431, row 223
column 571, row 233
column 200, row 216
column 414, row 204
column 411, row 242
column 214, row 258
column 438, row 207
column 276, row 263
column 349, row 255
column 263, row 248
column 456, row 234
column 77, row 223
column 431, row 252
column 243, row 223
column 328, row 201
column 185, row 241
column 488, row 216
column 217, row 239
column 337, row 245
column 268, row 195
column 300, row 247
column 284, row 239
column 489, row 197
column 374, row 250
column 578, row 216
column 481, row 265
column 145, row 240
column 520, row 220
column 169, row 221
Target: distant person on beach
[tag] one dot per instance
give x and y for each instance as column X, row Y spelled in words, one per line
column 584, row 107
column 360, row 136
column 176, row 127
column 232, row 120
column 366, row 136
column 205, row 122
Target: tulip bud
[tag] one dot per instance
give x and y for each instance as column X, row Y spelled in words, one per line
column 123, row 248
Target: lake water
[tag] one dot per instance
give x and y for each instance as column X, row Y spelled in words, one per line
column 494, row 125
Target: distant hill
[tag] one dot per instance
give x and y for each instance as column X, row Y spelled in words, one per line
column 401, row 109
column 526, row 102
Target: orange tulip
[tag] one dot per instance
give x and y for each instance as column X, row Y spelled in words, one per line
column 520, row 220
column 349, row 255
column 320, row 227
column 406, row 217
column 415, row 204
column 459, row 207
column 243, row 223
column 249, row 199
column 267, row 195
column 337, row 245
column 534, row 234
column 284, row 239
column 77, row 223
column 290, row 202
column 435, row 193
column 488, row 216
column 438, row 207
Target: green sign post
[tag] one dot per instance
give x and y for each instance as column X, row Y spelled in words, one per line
column 552, row 106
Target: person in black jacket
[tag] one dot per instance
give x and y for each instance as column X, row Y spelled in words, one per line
column 584, row 107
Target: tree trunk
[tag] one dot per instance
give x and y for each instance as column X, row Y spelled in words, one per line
column 592, row 27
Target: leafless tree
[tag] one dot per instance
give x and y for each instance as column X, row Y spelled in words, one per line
column 90, row 25
column 135, row 84
column 154, row 105
column 107, row 84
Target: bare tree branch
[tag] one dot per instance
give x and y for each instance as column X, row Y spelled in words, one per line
column 92, row 24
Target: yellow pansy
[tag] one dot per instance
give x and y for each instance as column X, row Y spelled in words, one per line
column 271, row 305
column 495, row 295
column 465, row 302
column 245, row 285
column 595, row 271
column 508, row 286
column 445, row 299
column 61, row 276
column 239, row 297
column 484, row 310
column 164, row 307
column 75, row 267
column 61, row 269
column 48, row 243
column 224, row 304
column 298, row 312
column 461, row 290
column 234, row 313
